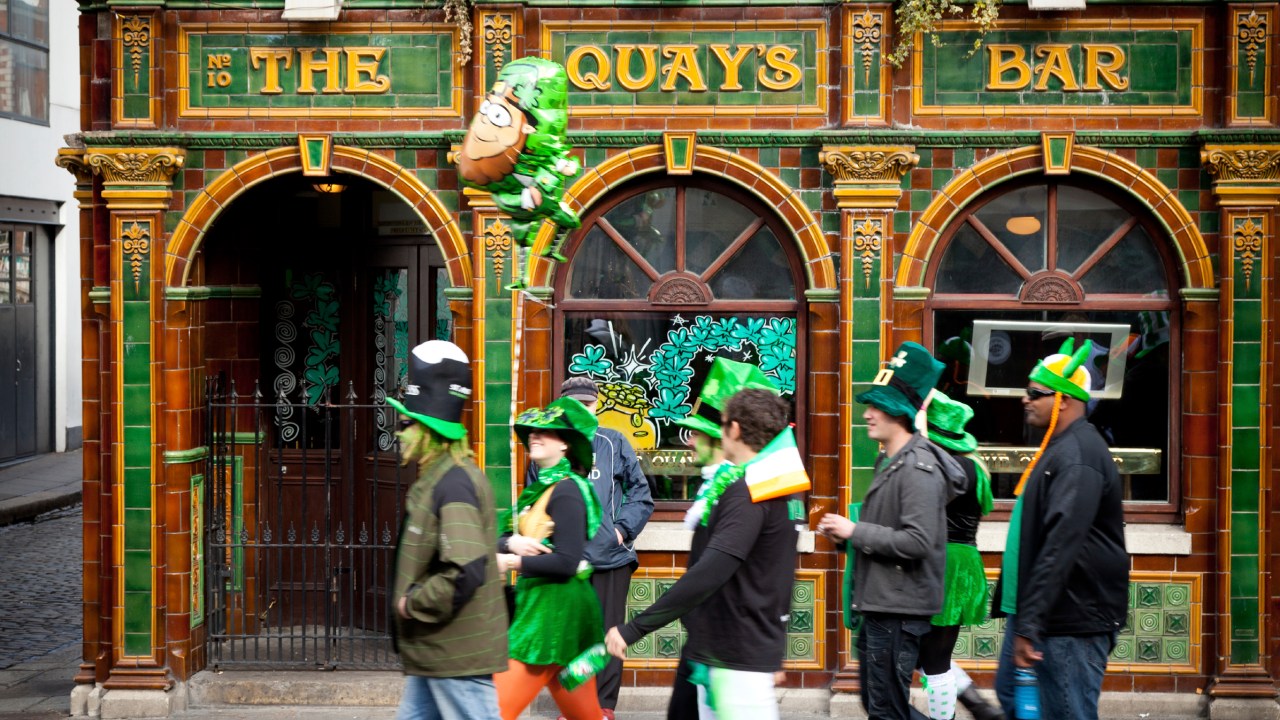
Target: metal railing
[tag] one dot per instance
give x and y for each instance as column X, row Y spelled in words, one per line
column 303, row 503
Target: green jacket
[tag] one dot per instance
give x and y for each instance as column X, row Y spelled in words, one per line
column 445, row 566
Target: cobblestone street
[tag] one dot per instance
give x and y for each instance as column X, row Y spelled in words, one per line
column 40, row 581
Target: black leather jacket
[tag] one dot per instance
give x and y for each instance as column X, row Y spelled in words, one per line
column 1073, row 569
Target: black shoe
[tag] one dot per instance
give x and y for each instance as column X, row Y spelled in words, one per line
column 981, row 710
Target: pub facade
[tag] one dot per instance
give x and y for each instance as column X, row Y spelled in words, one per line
column 271, row 216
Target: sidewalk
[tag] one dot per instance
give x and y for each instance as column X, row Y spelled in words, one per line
column 44, row 483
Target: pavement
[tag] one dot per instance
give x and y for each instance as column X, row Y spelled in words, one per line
column 43, row 483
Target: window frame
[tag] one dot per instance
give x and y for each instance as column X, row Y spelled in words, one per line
column 39, row 45
column 640, row 307
column 1146, row 512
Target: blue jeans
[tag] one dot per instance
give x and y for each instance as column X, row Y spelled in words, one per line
column 456, row 698
column 1070, row 674
column 888, row 648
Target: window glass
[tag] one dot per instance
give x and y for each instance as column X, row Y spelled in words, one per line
column 1085, row 221
column 601, row 270
column 1135, row 425
column 26, row 95
column 712, row 222
column 971, row 265
column 757, row 271
column 1016, row 219
column 21, row 267
column 29, row 20
column 1132, row 266
column 650, row 366
column 4, row 16
column 648, row 222
column 6, row 264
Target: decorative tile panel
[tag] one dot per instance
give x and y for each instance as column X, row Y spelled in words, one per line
column 661, row 649
column 197, row 550
column 136, row 101
column 867, row 77
column 1162, row 631
column 1251, row 97
column 351, row 71
column 1063, row 67
column 628, row 68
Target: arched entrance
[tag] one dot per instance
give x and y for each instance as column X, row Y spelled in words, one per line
column 317, row 289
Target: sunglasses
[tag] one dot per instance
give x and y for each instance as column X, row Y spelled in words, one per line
column 1036, row 394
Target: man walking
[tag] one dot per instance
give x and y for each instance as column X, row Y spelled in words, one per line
column 626, row 503
column 1064, row 579
column 899, row 543
column 735, row 598
column 450, row 620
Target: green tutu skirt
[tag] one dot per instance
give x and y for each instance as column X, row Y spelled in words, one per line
column 554, row 621
column 965, row 599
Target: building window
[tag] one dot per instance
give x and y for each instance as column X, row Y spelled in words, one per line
column 24, row 60
column 1022, row 271
column 663, row 278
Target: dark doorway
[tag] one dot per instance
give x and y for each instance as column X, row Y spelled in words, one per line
column 26, row 316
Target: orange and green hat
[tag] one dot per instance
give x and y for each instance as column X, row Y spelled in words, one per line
column 569, row 419
column 724, row 380
column 1064, row 371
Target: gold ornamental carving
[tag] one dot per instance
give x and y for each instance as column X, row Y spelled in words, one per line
column 1242, row 163
column 1247, row 238
column 136, row 35
column 135, row 166
column 136, row 241
column 868, row 164
column 497, row 242
column 72, row 160
column 1251, row 35
column 868, row 238
column 867, row 33
column 498, row 32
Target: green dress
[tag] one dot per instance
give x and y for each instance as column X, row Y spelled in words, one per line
column 556, row 620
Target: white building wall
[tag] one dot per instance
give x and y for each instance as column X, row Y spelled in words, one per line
column 29, row 151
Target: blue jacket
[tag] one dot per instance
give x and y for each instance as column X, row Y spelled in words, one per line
column 623, row 492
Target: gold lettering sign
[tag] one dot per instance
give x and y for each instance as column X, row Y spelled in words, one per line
column 1010, row 67
column 590, row 67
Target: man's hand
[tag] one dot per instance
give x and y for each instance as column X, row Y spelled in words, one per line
column 527, row 546
column 403, row 607
column 619, row 534
column 1025, row 654
column 836, row 527
column 508, row 562
column 614, row 643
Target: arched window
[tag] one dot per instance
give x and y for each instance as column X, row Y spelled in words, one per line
column 1021, row 271
column 662, row 278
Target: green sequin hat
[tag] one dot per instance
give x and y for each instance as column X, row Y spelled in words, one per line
column 1064, row 372
column 439, row 387
column 569, row 419
column 724, row 380
column 902, row 387
column 947, row 419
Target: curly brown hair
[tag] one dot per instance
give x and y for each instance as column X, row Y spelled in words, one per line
column 760, row 415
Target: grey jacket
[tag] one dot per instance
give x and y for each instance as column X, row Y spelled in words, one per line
column 624, row 498
column 901, row 536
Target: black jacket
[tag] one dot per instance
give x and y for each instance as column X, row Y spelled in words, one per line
column 1073, row 569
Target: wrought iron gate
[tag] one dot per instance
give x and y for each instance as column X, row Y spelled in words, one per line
column 303, row 508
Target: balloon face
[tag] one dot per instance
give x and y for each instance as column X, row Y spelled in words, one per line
column 494, row 142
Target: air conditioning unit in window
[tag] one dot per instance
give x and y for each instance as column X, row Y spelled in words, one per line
column 312, row 10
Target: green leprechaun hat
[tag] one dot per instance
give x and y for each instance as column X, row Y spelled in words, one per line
column 1065, row 371
column 724, row 380
column 569, row 419
column 902, row 387
column 947, row 419
column 439, row 386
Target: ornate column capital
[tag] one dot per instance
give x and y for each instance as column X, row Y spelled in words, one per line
column 72, row 160
column 135, row 178
column 868, row 176
column 1244, row 174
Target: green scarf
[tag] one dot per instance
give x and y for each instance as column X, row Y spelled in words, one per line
column 985, row 500
column 547, row 478
column 727, row 475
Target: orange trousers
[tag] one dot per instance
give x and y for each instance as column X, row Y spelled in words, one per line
column 519, row 685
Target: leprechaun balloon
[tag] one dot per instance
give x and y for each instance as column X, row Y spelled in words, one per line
column 516, row 147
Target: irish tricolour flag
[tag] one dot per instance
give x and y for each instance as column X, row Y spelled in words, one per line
column 777, row 470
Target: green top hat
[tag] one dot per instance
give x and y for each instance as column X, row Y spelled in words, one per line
column 947, row 419
column 569, row 419
column 724, row 380
column 1065, row 372
column 439, row 386
column 901, row 388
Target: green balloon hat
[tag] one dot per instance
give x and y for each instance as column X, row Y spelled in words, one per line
column 724, row 380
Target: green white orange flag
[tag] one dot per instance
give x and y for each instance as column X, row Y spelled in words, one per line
column 777, row 470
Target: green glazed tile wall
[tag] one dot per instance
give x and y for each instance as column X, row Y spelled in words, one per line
column 136, row 447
